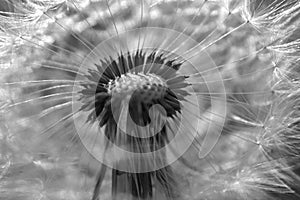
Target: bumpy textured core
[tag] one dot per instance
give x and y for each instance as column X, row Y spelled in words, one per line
column 148, row 87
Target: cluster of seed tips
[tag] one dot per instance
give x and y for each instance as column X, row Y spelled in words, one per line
column 148, row 87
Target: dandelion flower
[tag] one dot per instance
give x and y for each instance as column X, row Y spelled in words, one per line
column 129, row 99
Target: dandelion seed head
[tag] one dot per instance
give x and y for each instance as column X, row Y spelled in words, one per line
column 224, row 74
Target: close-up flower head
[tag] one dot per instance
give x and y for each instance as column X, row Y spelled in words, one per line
column 149, row 99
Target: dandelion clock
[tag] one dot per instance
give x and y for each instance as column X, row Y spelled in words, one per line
column 149, row 100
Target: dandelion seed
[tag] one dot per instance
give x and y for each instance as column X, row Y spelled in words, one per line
column 271, row 15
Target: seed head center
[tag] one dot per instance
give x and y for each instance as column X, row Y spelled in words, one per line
column 148, row 87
